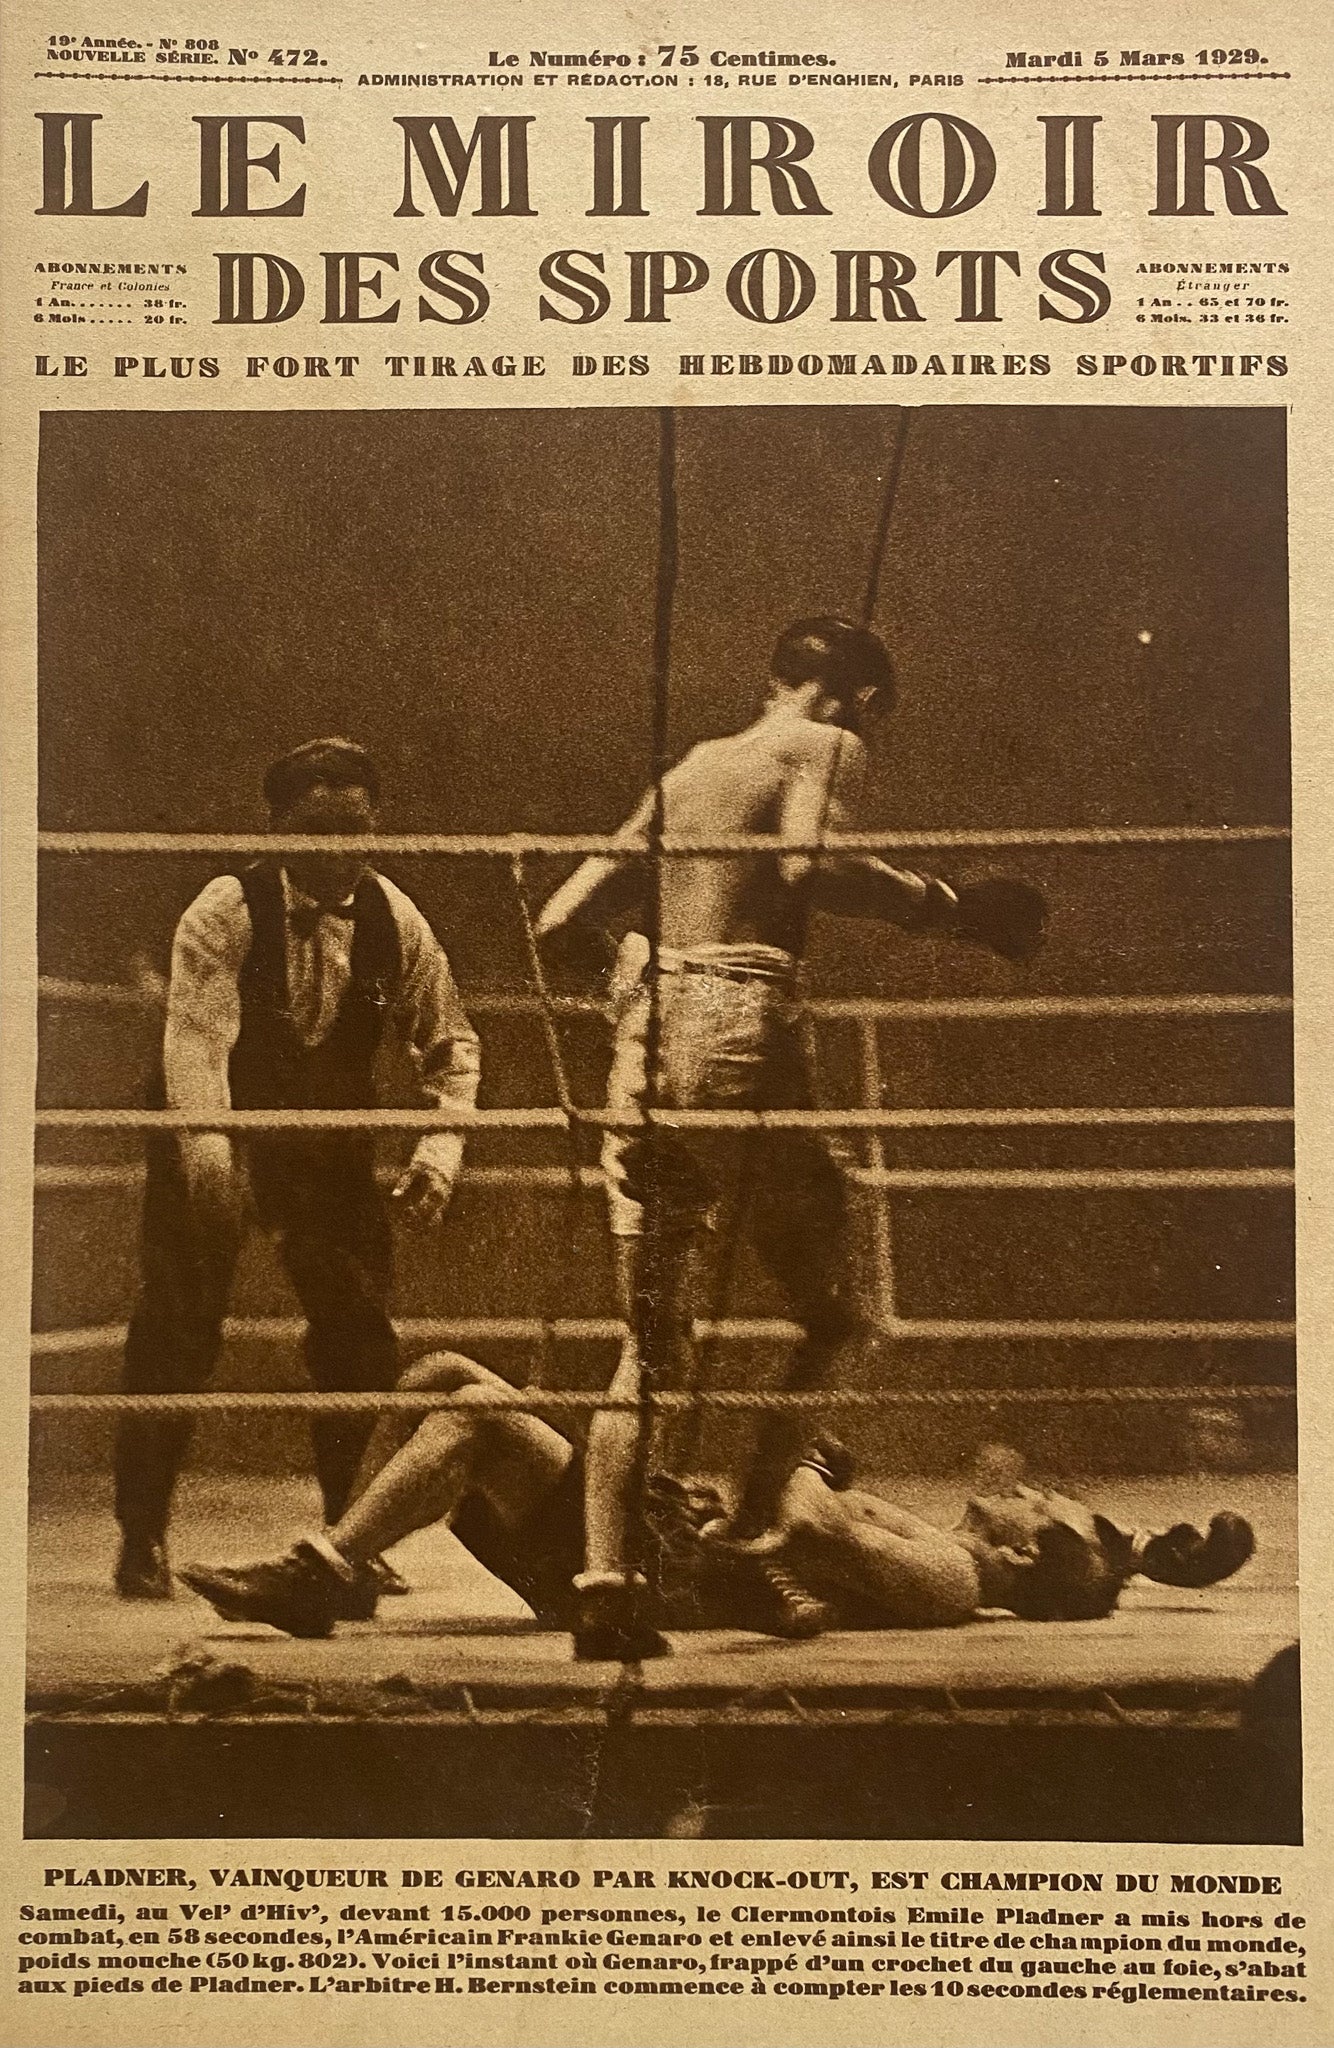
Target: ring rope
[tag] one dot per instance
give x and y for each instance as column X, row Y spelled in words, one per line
column 70, row 1179
column 548, row 1176
column 893, row 1009
column 883, row 1009
column 736, row 1329
column 885, row 518
column 506, row 845
column 545, row 1008
column 455, row 1119
column 571, row 1180
column 882, row 1227
column 1070, row 1179
column 543, row 1400
column 646, row 1275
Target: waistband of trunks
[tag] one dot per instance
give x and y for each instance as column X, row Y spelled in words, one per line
column 731, row 962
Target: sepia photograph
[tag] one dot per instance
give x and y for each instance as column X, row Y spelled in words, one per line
column 664, row 1147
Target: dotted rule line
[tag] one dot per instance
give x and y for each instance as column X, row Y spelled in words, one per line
column 1131, row 77
column 182, row 78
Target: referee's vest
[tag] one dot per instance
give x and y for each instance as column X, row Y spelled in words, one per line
column 270, row 1067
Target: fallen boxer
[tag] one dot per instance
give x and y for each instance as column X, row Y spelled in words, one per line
column 511, row 1489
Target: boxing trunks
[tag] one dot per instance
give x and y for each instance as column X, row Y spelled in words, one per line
column 726, row 1039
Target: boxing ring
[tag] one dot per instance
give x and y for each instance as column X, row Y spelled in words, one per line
column 1003, row 1726
column 448, row 1717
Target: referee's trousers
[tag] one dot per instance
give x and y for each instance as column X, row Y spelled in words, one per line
column 319, row 1199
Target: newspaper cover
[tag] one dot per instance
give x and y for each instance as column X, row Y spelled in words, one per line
column 666, row 1155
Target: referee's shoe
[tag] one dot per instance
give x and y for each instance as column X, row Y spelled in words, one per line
column 142, row 1571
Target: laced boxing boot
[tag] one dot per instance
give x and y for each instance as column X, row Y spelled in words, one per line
column 303, row 1593
column 797, row 1613
column 787, row 1606
column 612, row 1624
column 142, row 1571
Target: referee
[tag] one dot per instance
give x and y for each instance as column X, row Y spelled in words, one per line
column 283, row 980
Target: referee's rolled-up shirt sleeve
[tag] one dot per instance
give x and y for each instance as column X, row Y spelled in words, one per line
column 204, row 997
column 436, row 1025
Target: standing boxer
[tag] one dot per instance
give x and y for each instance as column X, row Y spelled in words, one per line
column 716, row 1006
column 282, row 982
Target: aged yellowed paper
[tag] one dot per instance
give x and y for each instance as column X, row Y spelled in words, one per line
column 666, row 1157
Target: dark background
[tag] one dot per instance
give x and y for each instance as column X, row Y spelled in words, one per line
column 470, row 593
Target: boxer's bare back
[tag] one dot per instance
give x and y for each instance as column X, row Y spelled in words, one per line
column 795, row 773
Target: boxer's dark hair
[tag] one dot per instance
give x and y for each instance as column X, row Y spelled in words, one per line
column 849, row 660
column 1072, row 1579
column 330, row 763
